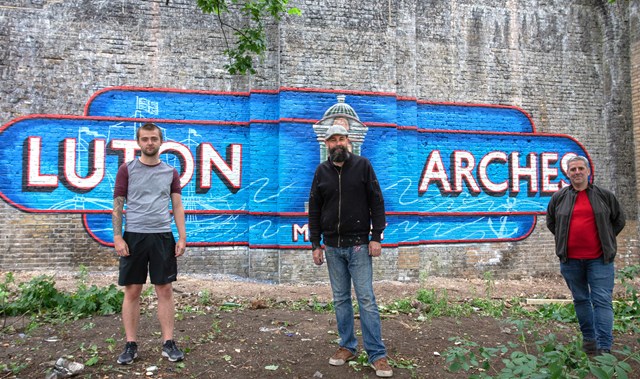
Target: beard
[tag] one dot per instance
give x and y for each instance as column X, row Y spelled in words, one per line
column 338, row 154
column 151, row 153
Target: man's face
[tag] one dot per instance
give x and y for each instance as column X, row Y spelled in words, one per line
column 149, row 142
column 579, row 174
column 338, row 147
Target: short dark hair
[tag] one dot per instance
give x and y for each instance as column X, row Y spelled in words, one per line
column 149, row 126
column 579, row 158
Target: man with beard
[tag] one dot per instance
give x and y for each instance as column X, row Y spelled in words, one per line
column 148, row 244
column 346, row 210
column 585, row 220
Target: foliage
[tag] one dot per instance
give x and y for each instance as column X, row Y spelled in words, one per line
column 314, row 304
column 251, row 39
column 627, row 310
column 362, row 360
column 92, row 352
column 39, row 297
column 13, row 367
column 427, row 304
column 535, row 357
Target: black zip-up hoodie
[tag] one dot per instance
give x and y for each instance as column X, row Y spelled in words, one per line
column 345, row 204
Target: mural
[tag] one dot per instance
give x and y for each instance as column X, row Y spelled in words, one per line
column 449, row 172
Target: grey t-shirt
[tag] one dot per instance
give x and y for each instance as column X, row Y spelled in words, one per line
column 147, row 190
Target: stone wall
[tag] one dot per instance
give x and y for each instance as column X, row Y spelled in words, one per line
column 634, row 33
column 573, row 66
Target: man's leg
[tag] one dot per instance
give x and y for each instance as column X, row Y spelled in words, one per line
column 360, row 267
column 575, row 274
column 166, row 310
column 601, row 281
column 131, row 311
column 340, row 279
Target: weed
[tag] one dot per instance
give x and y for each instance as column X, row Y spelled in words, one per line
column 229, row 306
column 438, row 304
column 88, row 326
column 92, row 352
column 204, row 298
column 545, row 357
column 627, row 310
column 488, row 307
column 423, row 276
column 314, row 304
column 13, row 367
column 111, row 344
column 40, row 300
column 403, row 363
column 147, row 292
column 489, row 284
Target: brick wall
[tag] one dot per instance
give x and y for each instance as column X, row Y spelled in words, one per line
column 573, row 66
column 634, row 52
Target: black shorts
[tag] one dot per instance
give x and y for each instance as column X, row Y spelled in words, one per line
column 149, row 252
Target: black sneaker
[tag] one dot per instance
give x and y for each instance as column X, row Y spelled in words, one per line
column 171, row 351
column 129, row 354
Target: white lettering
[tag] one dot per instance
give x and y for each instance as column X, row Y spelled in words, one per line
column 230, row 173
column 34, row 177
column 530, row 171
column 297, row 230
column 434, row 171
column 97, row 164
column 488, row 184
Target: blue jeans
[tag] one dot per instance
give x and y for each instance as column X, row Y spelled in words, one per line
column 347, row 264
column 591, row 284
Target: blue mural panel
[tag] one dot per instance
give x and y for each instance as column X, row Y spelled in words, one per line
column 449, row 172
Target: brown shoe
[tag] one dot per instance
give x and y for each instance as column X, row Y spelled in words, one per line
column 342, row 356
column 589, row 347
column 383, row 370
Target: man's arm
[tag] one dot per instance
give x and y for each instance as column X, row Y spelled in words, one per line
column 116, row 221
column 178, row 216
column 315, row 232
column 315, row 209
column 376, row 207
column 551, row 215
column 617, row 216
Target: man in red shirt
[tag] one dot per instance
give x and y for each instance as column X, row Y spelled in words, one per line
column 585, row 220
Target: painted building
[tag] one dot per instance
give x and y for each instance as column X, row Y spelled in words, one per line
column 468, row 112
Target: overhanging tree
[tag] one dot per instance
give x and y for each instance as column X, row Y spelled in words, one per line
column 250, row 40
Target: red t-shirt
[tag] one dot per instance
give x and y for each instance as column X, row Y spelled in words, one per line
column 583, row 242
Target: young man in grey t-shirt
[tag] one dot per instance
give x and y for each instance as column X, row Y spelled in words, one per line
column 148, row 245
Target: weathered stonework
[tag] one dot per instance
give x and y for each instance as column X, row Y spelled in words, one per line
column 573, row 66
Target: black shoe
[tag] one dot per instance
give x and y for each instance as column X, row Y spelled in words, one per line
column 129, row 354
column 603, row 351
column 171, row 351
column 589, row 347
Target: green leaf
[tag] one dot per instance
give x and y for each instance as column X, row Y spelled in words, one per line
column 599, row 373
column 250, row 41
column 620, row 373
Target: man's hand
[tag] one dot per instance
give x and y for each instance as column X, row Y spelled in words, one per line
column 375, row 248
column 181, row 246
column 318, row 256
column 122, row 249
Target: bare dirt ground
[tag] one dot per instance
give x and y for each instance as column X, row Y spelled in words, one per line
column 274, row 334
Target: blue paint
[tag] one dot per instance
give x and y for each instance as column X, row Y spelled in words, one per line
column 280, row 151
